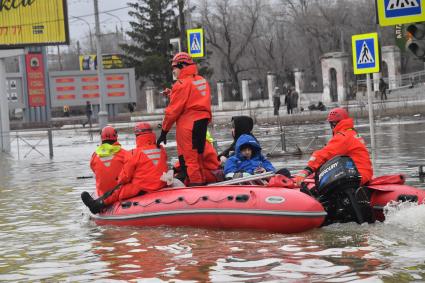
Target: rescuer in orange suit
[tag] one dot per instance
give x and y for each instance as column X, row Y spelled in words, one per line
column 190, row 109
column 345, row 141
column 108, row 160
column 141, row 172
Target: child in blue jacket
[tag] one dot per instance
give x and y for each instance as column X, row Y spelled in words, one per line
column 247, row 158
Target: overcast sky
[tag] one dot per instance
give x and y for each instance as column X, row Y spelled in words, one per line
column 85, row 9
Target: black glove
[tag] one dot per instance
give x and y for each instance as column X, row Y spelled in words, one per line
column 162, row 138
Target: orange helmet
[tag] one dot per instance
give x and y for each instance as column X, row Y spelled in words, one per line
column 337, row 114
column 109, row 134
column 142, row 128
column 181, row 58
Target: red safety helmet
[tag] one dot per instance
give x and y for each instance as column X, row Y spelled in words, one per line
column 109, row 134
column 337, row 114
column 142, row 128
column 181, row 58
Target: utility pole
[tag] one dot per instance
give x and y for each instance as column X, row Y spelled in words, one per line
column 103, row 114
column 59, row 58
column 182, row 23
column 78, row 49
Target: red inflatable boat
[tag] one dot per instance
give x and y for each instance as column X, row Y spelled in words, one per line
column 276, row 209
column 221, row 207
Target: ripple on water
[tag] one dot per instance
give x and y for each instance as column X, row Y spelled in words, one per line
column 46, row 234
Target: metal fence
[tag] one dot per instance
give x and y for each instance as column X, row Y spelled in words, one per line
column 232, row 92
column 402, row 81
column 258, row 90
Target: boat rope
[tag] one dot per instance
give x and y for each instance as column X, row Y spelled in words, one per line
column 128, row 204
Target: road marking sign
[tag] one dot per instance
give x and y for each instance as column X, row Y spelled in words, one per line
column 393, row 12
column 195, row 42
column 365, row 53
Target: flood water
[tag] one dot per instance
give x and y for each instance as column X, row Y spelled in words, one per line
column 45, row 233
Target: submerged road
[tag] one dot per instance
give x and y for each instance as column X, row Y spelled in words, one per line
column 46, row 235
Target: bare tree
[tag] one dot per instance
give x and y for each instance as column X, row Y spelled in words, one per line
column 230, row 27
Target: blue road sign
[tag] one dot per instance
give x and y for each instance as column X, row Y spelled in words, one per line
column 365, row 53
column 195, row 42
column 392, row 12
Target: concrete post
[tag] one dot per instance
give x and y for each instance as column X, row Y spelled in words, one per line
column 245, row 93
column 150, row 101
column 338, row 62
column 392, row 56
column 376, row 77
column 220, row 92
column 271, row 84
column 4, row 110
column 299, row 83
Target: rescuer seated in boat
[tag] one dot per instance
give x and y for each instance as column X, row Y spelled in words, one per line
column 141, row 173
column 345, row 141
column 247, row 159
column 211, row 166
column 241, row 125
column 108, row 160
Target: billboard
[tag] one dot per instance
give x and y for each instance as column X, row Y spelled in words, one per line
column 33, row 22
column 74, row 88
column 110, row 61
column 35, row 79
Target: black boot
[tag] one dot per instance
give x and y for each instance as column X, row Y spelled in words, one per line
column 95, row 206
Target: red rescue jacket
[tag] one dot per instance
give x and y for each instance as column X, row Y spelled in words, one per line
column 345, row 141
column 190, row 100
column 146, row 165
column 107, row 163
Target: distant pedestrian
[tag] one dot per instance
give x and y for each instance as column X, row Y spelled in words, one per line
column 288, row 101
column 66, row 110
column 294, row 99
column 89, row 114
column 276, row 101
column 131, row 106
column 383, row 86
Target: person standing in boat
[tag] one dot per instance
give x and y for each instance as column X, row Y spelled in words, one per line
column 141, row 173
column 247, row 159
column 345, row 141
column 190, row 109
column 108, row 160
column 240, row 125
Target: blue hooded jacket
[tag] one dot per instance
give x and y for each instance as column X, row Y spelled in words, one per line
column 238, row 163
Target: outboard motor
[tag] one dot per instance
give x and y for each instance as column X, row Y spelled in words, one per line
column 338, row 189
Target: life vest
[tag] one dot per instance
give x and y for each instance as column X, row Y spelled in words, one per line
column 106, row 163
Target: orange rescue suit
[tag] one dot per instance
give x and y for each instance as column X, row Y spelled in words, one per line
column 345, row 141
column 190, row 109
column 107, row 163
column 142, row 171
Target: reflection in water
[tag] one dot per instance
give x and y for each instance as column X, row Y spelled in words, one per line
column 46, row 235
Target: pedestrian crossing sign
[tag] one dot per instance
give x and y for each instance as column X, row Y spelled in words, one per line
column 365, row 53
column 195, row 42
column 394, row 12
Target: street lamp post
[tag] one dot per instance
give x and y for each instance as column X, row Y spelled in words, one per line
column 119, row 19
column 90, row 33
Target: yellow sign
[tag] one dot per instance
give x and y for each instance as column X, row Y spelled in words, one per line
column 394, row 12
column 195, row 42
column 88, row 62
column 365, row 53
column 33, row 22
column 110, row 61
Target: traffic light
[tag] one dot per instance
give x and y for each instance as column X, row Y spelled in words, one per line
column 416, row 42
